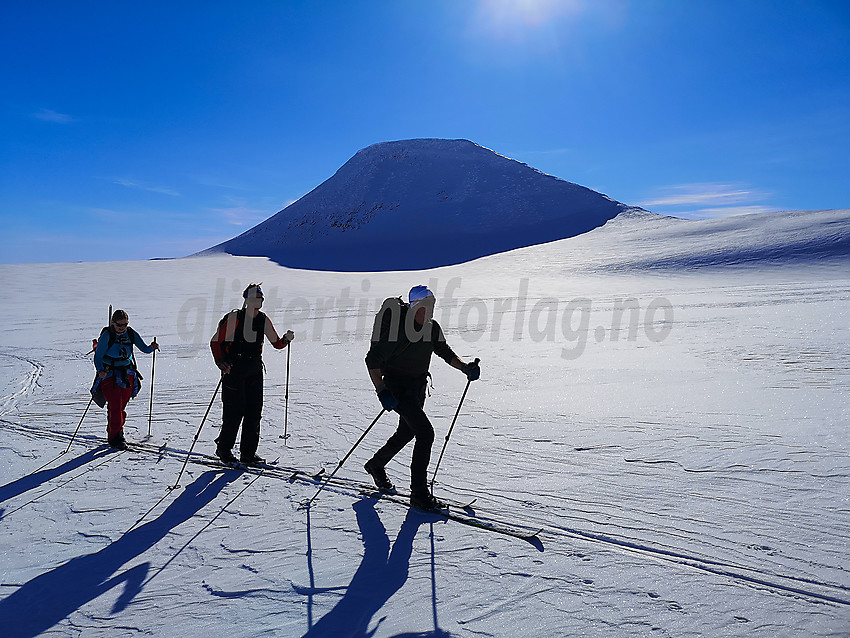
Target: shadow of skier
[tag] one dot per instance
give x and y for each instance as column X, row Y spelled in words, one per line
column 31, row 481
column 380, row 575
column 50, row 597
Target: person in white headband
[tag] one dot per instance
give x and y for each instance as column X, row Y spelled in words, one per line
column 404, row 338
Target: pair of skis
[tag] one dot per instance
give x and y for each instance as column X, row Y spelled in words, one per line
column 463, row 513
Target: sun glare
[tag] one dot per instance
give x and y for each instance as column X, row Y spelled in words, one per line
column 516, row 16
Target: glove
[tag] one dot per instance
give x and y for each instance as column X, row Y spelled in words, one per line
column 289, row 337
column 472, row 370
column 387, row 399
column 224, row 366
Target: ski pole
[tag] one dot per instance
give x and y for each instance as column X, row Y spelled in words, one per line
column 78, row 426
column 94, row 341
column 150, row 409
column 446, row 442
column 345, row 458
column 197, row 434
column 286, row 393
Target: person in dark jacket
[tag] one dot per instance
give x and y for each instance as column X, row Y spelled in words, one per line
column 117, row 378
column 237, row 347
column 398, row 360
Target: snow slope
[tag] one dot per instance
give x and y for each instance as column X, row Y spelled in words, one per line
column 423, row 203
column 648, row 241
column 678, row 431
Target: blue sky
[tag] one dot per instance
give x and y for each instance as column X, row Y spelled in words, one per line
column 156, row 129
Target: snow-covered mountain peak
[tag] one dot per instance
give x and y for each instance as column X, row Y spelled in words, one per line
column 455, row 199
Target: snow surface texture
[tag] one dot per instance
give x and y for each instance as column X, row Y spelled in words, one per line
column 679, row 433
column 417, row 204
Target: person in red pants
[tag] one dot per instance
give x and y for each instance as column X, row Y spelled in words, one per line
column 117, row 377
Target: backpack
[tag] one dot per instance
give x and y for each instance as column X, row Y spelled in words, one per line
column 131, row 334
column 239, row 346
column 389, row 320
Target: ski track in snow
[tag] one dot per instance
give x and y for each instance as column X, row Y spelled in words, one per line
column 9, row 364
column 692, row 487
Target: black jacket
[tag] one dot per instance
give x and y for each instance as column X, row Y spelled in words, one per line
column 404, row 347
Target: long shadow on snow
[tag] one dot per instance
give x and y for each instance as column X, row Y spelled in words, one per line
column 47, row 599
column 31, row 481
column 381, row 574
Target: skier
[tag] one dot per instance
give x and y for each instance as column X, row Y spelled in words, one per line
column 237, row 348
column 403, row 340
column 117, row 379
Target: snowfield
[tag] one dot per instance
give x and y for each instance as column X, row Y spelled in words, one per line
column 666, row 401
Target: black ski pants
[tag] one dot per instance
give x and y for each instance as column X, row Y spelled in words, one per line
column 413, row 424
column 242, row 404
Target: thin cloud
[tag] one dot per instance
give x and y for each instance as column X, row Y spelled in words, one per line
column 217, row 182
column 47, row 115
column 701, row 194
column 129, row 183
column 707, row 200
column 240, row 215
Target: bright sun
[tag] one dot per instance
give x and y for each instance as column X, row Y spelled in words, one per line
column 514, row 15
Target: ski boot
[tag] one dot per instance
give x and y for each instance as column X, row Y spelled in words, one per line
column 251, row 459
column 226, row 456
column 379, row 475
column 118, row 442
column 424, row 500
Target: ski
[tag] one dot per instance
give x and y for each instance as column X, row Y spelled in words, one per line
column 210, row 461
column 364, row 487
column 214, row 462
column 273, row 469
column 259, row 466
column 315, row 476
column 263, row 465
column 461, row 514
